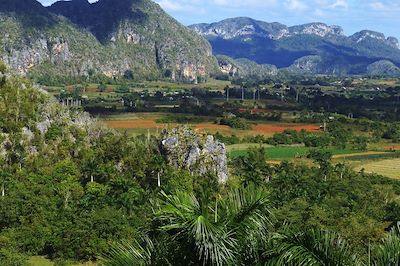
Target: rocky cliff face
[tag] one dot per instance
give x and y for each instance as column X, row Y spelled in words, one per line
column 239, row 27
column 245, row 68
column 106, row 38
column 185, row 149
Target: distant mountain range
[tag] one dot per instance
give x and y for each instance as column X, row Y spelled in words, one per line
column 137, row 39
column 310, row 48
column 110, row 38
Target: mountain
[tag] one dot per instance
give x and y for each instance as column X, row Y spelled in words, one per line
column 107, row 38
column 244, row 68
column 383, row 68
column 311, row 48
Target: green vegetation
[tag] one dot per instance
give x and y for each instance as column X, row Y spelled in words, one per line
column 73, row 191
column 73, row 42
column 288, row 152
column 234, row 122
column 180, row 119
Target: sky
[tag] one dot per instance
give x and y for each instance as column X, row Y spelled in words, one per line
column 352, row 15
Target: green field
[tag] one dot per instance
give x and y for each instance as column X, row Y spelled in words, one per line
column 281, row 153
column 389, row 168
column 365, row 157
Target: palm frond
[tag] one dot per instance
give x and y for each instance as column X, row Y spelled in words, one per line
column 246, row 212
column 125, row 253
column 187, row 217
column 310, row 248
column 388, row 252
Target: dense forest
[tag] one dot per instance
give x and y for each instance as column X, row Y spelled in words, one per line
column 73, row 190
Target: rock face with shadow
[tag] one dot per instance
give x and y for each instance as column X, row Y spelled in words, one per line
column 106, row 38
column 185, row 149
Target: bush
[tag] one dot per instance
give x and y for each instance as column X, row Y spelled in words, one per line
column 235, row 122
column 12, row 258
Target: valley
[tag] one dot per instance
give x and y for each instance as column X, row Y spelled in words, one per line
column 127, row 138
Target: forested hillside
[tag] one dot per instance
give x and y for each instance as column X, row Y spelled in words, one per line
column 314, row 48
column 73, row 190
column 76, row 40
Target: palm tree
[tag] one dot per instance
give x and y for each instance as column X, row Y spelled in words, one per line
column 387, row 253
column 309, row 248
column 221, row 231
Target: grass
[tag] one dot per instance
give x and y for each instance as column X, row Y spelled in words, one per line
column 389, row 168
column 39, row 261
column 42, row 261
column 281, row 153
column 366, row 157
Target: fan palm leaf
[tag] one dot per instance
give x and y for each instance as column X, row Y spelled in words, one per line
column 123, row 254
column 387, row 253
column 219, row 230
column 310, row 248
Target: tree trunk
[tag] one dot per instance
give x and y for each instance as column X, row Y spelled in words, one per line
column 3, row 191
column 91, row 179
column 158, row 179
column 67, row 195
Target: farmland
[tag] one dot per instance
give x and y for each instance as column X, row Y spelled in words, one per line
column 139, row 122
column 281, row 153
column 387, row 167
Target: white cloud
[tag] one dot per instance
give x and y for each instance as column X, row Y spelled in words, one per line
column 172, row 5
column 295, row 5
column 384, row 6
column 339, row 4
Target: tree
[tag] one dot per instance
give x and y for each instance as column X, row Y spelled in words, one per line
column 253, row 168
column 360, row 143
column 340, row 168
column 128, row 74
column 323, row 159
column 221, row 230
column 102, row 87
column 66, row 173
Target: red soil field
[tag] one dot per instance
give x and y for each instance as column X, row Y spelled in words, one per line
column 278, row 128
column 91, row 89
column 393, row 148
column 259, row 129
column 151, row 124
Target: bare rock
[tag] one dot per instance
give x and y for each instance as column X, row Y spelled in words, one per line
column 185, row 149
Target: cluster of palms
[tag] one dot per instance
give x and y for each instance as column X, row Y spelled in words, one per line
column 236, row 229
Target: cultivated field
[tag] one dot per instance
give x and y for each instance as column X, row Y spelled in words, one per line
column 389, row 168
column 139, row 123
column 281, row 153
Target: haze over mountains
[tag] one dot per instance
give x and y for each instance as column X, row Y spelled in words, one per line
column 136, row 38
column 314, row 47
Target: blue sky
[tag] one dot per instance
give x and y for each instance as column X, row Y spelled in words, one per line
column 352, row 15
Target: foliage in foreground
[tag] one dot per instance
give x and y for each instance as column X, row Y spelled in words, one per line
column 69, row 188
